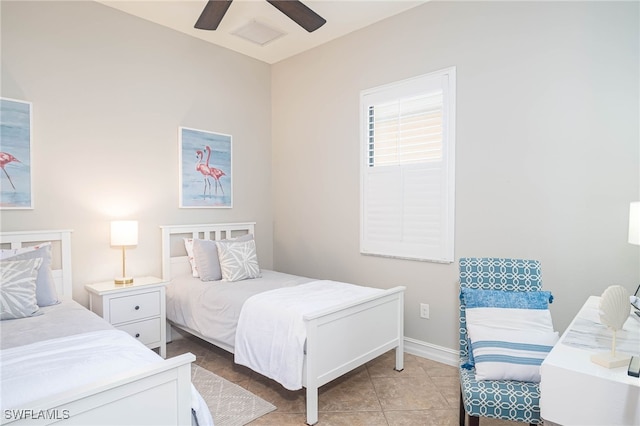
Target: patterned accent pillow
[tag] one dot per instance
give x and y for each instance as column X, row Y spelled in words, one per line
column 475, row 298
column 238, row 260
column 18, row 288
column 46, row 293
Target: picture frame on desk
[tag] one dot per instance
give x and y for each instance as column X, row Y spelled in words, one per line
column 634, row 367
column 635, row 301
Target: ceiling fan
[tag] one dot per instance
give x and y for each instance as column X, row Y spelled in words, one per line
column 298, row 12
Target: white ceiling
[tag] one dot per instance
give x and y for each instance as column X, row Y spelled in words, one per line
column 343, row 17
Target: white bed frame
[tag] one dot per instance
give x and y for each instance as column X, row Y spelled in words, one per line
column 159, row 394
column 338, row 339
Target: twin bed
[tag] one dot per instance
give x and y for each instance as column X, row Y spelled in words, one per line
column 339, row 337
column 67, row 365
column 333, row 336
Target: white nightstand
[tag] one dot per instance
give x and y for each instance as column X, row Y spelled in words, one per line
column 137, row 308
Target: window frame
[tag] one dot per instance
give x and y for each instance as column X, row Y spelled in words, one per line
column 444, row 253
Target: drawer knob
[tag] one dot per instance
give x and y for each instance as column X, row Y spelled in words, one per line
column 137, row 307
column 137, row 335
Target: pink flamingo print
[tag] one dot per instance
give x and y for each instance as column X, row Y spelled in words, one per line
column 6, row 158
column 216, row 174
column 204, row 170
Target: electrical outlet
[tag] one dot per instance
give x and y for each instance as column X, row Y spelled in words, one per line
column 424, row 310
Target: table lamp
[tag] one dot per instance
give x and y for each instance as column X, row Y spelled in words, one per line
column 124, row 233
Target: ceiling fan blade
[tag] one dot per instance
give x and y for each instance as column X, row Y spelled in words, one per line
column 300, row 13
column 212, row 14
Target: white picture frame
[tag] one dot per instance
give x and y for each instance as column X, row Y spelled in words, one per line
column 205, row 169
column 16, row 180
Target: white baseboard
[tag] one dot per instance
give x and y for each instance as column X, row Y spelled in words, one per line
column 431, row 351
column 411, row 346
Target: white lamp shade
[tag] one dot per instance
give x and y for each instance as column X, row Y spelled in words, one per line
column 634, row 223
column 124, row 233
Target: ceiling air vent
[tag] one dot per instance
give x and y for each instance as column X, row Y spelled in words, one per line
column 258, row 33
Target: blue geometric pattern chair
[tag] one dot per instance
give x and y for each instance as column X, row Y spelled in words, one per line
column 500, row 399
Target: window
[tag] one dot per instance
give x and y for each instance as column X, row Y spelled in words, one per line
column 408, row 153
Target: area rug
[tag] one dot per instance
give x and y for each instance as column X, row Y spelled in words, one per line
column 230, row 404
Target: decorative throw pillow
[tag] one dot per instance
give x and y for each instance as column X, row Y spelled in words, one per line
column 46, row 293
column 503, row 354
column 517, row 310
column 18, row 288
column 511, row 312
column 205, row 253
column 238, row 260
column 475, row 298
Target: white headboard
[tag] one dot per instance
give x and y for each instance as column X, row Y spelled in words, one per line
column 174, row 256
column 61, row 253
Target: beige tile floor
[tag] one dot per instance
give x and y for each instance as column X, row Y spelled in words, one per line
column 425, row 393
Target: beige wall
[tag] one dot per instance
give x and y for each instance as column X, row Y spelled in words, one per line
column 548, row 153
column 548, row 156
column 109, row 92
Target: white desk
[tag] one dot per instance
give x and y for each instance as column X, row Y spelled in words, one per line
column 574, row 390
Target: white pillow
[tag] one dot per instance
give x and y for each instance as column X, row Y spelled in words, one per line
column 46, row 293
column 188, row 245
column 507, row 354
column 510, row 318
column 501, row 323
column 18, row 288
column 238, row 260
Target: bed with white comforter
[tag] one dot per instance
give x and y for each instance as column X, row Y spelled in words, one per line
column 234, row 313
column 61, row 363
column 298, row 331
column 67, row 348
column 211, row 309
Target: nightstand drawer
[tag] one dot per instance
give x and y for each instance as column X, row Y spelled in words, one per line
column 134, row 307
column 147, row 331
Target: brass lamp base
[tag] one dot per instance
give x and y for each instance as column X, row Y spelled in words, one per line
column 123, row 280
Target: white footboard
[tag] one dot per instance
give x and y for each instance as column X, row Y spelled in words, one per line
column 124, row 400
column 341, row 339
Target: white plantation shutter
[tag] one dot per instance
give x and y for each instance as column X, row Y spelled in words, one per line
column 406, row 130
column 408, row 168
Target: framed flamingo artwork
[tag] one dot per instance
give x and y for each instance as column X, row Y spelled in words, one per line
column 15, row 154
column 205, row 169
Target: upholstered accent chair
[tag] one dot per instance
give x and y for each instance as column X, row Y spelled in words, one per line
column 500, row 399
